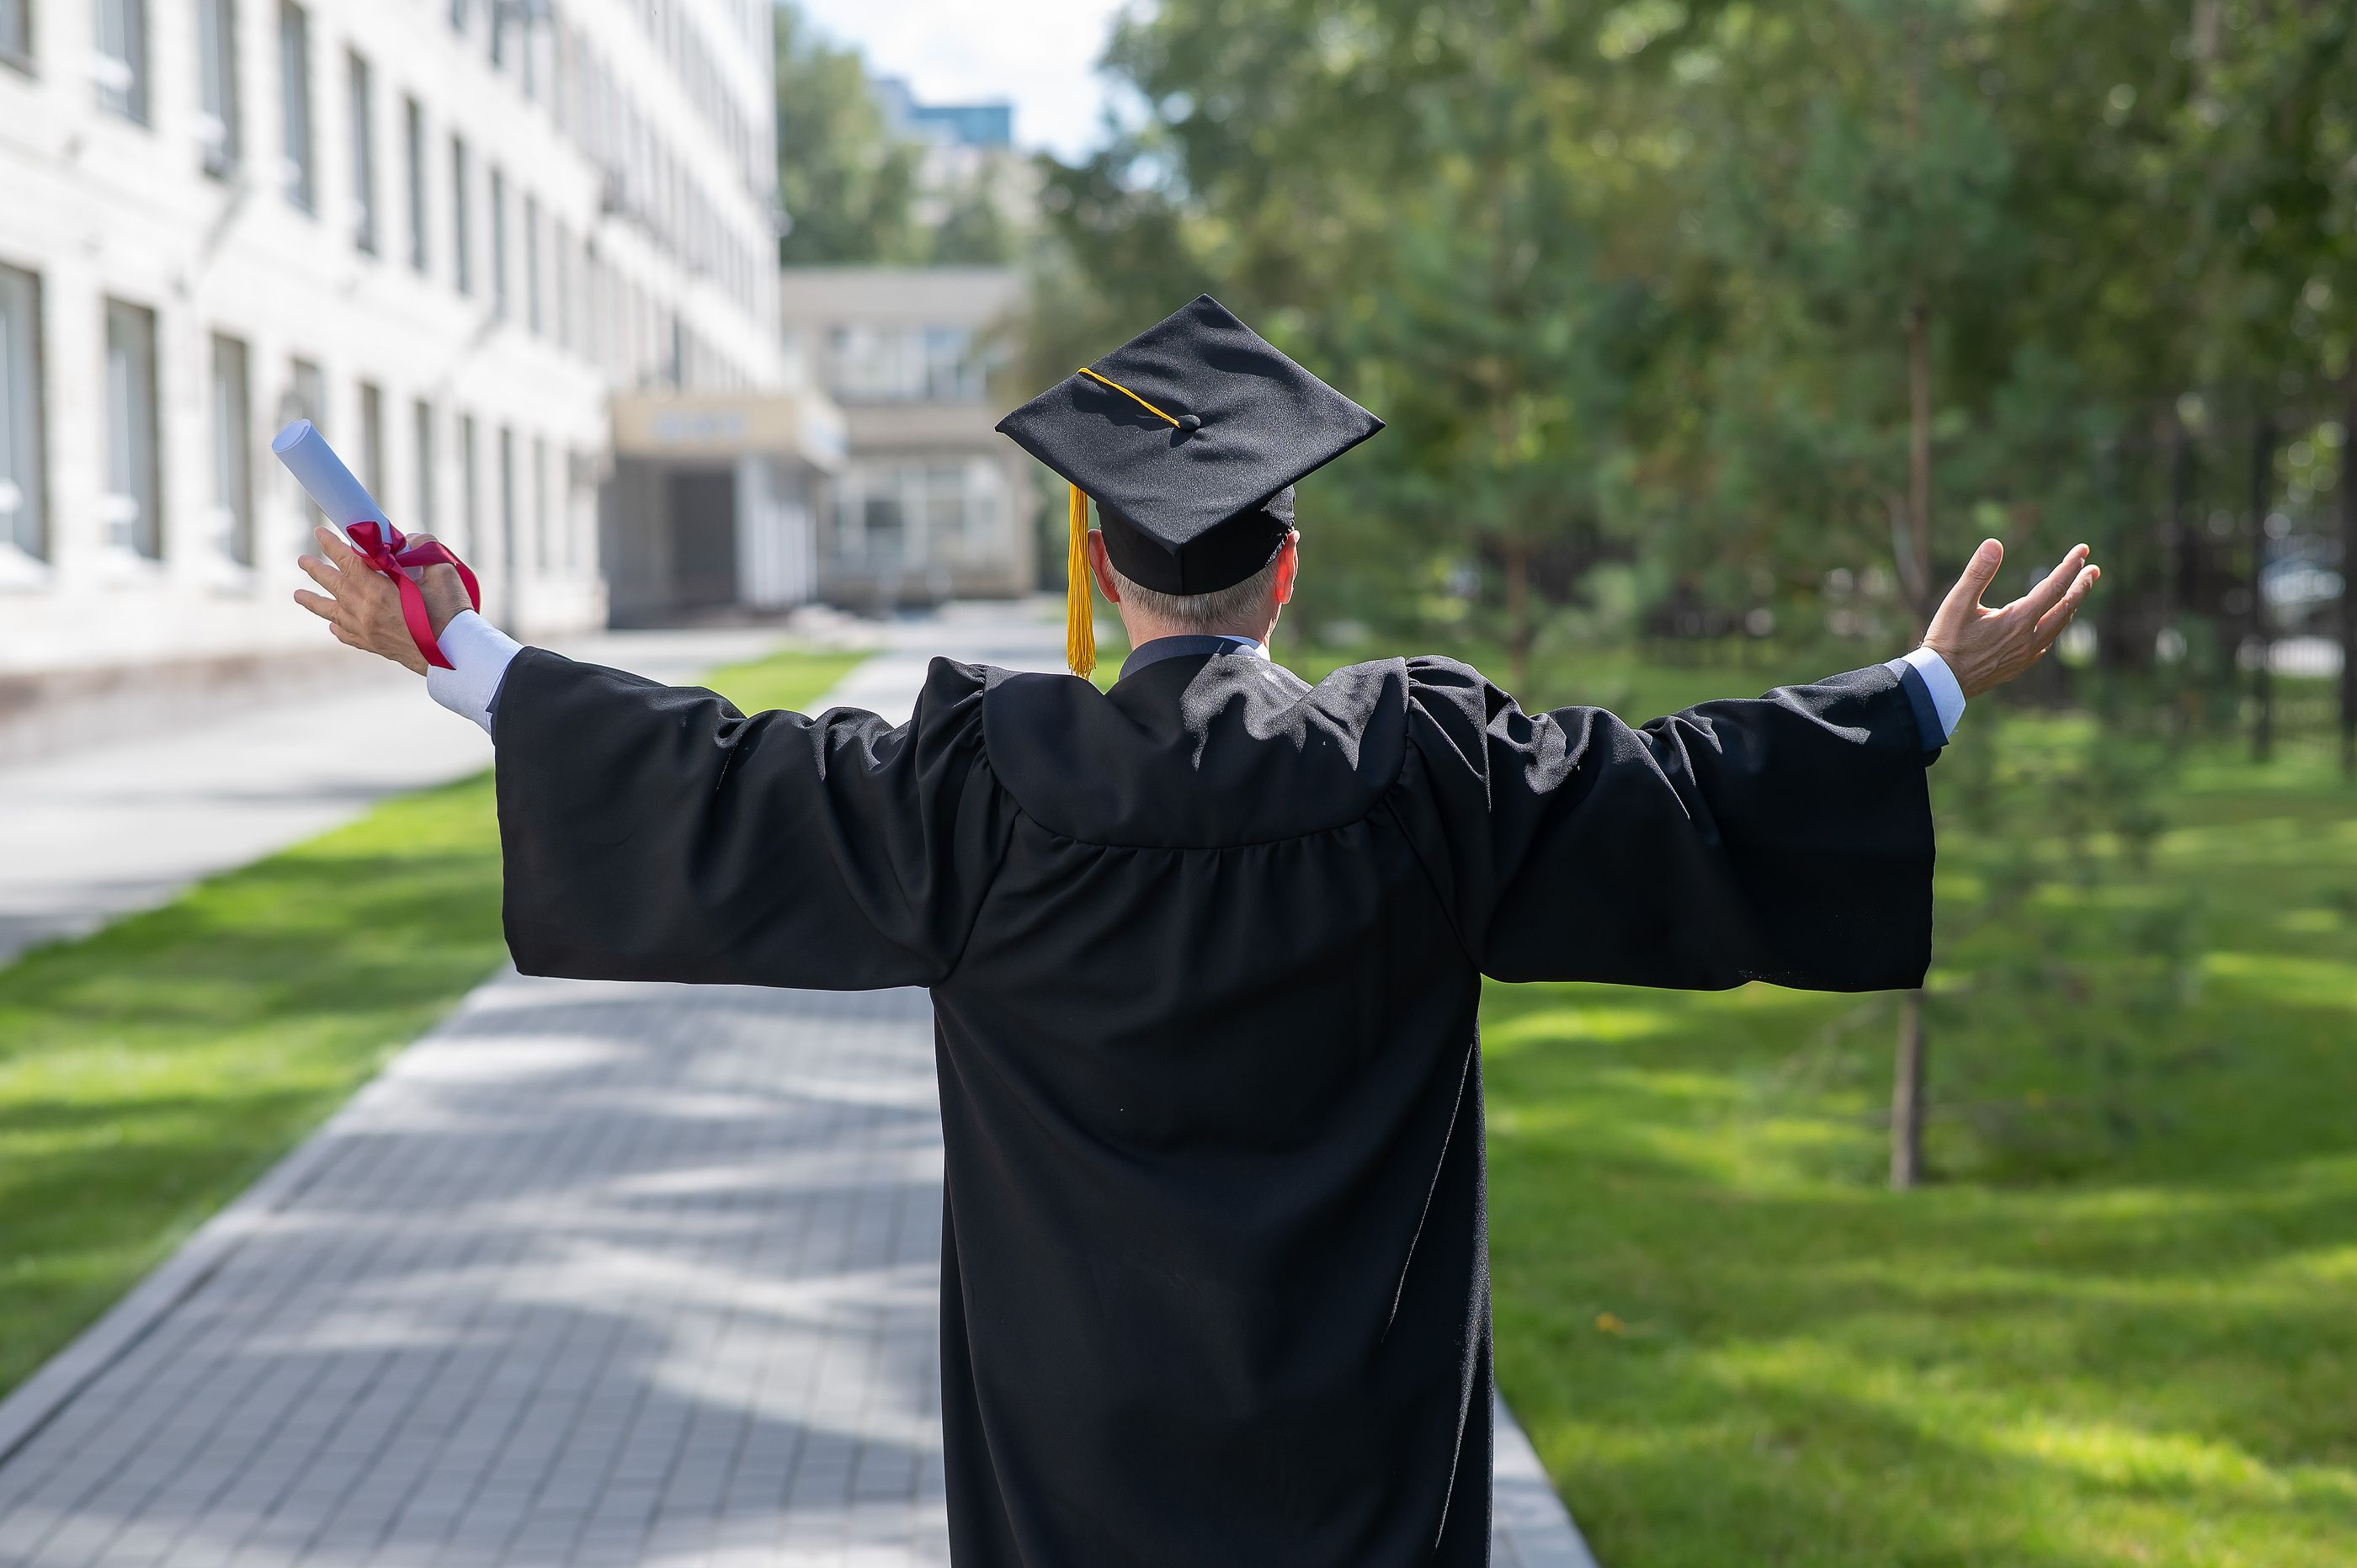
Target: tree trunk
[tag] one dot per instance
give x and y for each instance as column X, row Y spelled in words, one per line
column 2177, row 526
column 2193, row 588
column 2349, row 583
column 1907, row 1098
column 1907, row 1085
column 2178, row 586
column 1920, row 581
column 2123, row 643
column 1907, row 1088
column 2263, row 692
column 1517, row 612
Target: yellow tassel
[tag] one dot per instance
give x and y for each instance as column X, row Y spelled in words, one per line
column 1080, row 610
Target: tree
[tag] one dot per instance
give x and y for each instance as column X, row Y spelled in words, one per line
column 974, row 229
column 848, row 186
column 1358, row 183
column 1784, row 306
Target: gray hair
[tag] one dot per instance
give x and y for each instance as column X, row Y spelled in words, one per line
column 1239, row 604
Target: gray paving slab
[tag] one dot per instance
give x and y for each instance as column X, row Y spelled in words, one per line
column 592, row 1274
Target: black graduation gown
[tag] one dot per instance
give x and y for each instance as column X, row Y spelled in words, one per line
column 1205, row 956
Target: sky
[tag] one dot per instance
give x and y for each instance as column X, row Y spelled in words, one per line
column 1042, row 53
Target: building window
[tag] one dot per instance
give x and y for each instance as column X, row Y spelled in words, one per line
column 305, row 398
column 593, row 308
column 563, row 246
column 295, row 104
column 531, row 263
column 580, row 480
column 233, row 452
column 462, row 245
column 413, row 120
column 133, row 503
column 952, row 372
column 508, row 553
column 936, row 364
column 17, row 32
column 121, row 64
column 362, row 94
column 922, row 517
column 22, row 525
column 372, row 442
column 306, row 392
column 499, row 244
column 563, row 80
column 883, row 539
column 422, row 509
column 471, row 484
column 540, row 539
column 217, row 122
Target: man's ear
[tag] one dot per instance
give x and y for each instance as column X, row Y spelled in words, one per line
column 1100, row 567
column 1288, row 566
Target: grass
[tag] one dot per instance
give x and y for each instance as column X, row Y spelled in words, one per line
column 149, row 1072
column 2120, row 1328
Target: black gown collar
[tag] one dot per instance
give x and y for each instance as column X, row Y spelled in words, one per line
column 1188, row 647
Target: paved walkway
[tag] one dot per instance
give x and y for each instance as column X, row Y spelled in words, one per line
column 595, row 1274
column 104, row 831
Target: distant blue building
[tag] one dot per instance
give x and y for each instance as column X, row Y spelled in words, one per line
column 970, row 124
column 986, row 126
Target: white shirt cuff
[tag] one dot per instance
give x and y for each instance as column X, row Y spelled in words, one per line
column 480, row 654
column 1947, row 697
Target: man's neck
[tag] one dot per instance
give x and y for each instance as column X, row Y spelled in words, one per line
column 1143, row 632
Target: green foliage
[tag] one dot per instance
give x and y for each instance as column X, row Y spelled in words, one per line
column 2126, row 1342
column 1648, row 282
column 974, row 229
column 853, row 190
column 2066, row 957
column 148, row 1073
column 848, row 186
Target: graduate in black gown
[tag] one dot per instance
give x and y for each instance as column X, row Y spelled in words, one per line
column 1206, row 956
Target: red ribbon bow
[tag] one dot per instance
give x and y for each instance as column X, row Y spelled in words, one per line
column 389, row 553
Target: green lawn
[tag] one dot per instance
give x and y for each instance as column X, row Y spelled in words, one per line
column 2120, row 1324
column 151, row 1071
column 2119, row 1327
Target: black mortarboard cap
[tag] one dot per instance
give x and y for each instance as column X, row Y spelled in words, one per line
column 1190, row 437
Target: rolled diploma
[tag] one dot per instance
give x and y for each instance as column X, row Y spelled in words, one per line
column 324, row 478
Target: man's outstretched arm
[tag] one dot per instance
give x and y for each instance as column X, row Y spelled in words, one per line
column 656, row 833
column 1785, row 838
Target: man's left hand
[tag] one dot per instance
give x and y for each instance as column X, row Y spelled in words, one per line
column 363, row 608
column 1985, row 647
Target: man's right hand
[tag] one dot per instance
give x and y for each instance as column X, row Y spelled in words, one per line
column 1985, row 647
column 364, row 610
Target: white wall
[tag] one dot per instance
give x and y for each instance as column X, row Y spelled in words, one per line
column 101, row 208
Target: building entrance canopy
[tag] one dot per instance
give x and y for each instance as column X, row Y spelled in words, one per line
column 720, row 427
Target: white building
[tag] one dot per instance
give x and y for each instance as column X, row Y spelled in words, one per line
column 449, row 231
column 931, row 502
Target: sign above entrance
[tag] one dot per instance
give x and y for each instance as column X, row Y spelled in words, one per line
column 802, row 425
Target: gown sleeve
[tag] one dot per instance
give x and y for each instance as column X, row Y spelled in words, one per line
column 1786, row 838
column 654, row 833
